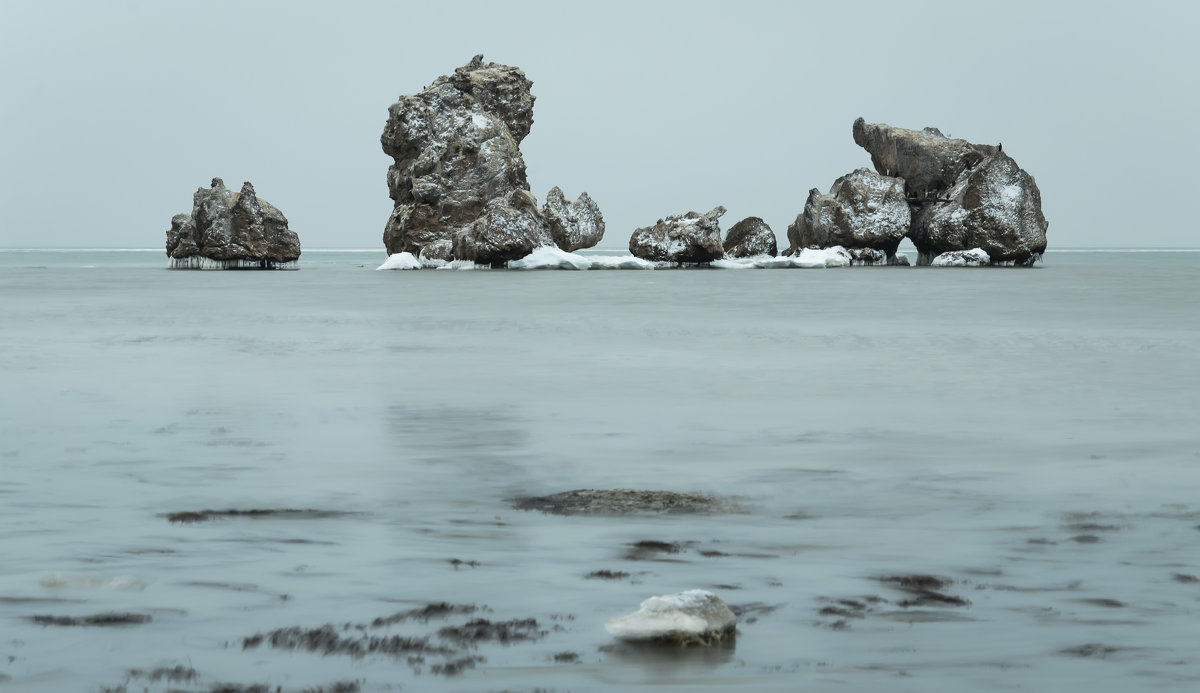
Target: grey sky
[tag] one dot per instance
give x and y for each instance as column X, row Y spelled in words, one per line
column 113, row 113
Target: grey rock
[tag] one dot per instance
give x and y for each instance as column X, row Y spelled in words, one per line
column 458, row 169
column 963, row 195
column 867, row 256
column 928, row 161
column 624, row 501
column 574, row 225
column 863, row 209
column 996, row 207
column 231, row 230
column 686, row 238
column 750, row 236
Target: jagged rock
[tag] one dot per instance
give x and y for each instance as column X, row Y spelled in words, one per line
column 862, row 210
column 750, row 236
column 963, row 195
column 928, row 161
column 458, row 179
column 690, row 238
column 228, row 230
column 975, row 257
column 694, row 617
column 574, row 225
column 996, row 207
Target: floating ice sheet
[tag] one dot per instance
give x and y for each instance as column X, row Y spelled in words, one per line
column 691, row 617
column 400, row 261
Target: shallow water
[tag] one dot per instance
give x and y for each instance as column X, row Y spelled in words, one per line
column 1027, row 434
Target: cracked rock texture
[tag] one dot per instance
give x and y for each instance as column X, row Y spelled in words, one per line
column 228, row 229
column 686, row 238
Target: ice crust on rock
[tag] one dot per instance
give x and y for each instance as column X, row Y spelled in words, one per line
column 976, row 257
column 690, row 238
column 694, row 617
column 401, row 261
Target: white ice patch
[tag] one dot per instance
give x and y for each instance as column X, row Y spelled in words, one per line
column 823, row 257
column 693, row 613
column 619, row 262
column 462, row 265
column 550, row 257
column 479, row 121
column 400, row 261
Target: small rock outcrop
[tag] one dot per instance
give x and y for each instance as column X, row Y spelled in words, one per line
column 863, row 210
column 975, row 257
column 694, row 617
column 962, row 195
column 458, row 180
column 686, row 238
column 749, row 237
column 573, row 225
column 228, row 230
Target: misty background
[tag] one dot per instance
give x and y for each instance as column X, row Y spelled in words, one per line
column 113, row 113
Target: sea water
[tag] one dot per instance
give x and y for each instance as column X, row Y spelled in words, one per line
column 1028, row 435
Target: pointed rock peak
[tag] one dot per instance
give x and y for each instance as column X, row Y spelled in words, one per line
column 217, row 183
column 247, row 188
column 476, row 62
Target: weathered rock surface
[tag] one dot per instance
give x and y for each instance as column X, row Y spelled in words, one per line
column 862, row 210
column 458, row 179
column 574, row 225
column 750, row 236
column 694, row 617
column 624, row 501
column 996, row 206
column 687, row 238
column 963, row 195
column 228, row 230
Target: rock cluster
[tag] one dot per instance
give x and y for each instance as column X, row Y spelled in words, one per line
column 942, row 193
column 685, row 238
column 458, row 180
column 228, row 230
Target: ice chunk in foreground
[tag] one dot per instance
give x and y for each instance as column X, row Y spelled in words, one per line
column 975, row 257
column 400, row 261
column 694, row 617
column 619, row 262
column 550, row 257
column 835, row 256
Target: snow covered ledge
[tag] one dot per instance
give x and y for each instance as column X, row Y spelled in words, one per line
column 199, row 262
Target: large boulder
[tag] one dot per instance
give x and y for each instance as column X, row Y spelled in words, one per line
column 694, row 617
column 963, row 195
column 996, row 207
column 458, row 169
column 863, row 210
column 573, row 225
column 228, row 230
column 686, row 238
column 749, row 237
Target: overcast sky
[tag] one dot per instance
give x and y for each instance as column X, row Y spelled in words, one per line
column 113, row 113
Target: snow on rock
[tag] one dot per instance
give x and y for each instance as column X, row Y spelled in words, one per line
column 694, row 617
column 550, row 257
column 574, row 225
column 750, row 236
column 400, row 261
column 862, row 210
column 976, row 257
column 231, row 230
column 686, row 238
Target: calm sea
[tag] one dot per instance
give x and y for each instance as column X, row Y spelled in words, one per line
column 1029, row 436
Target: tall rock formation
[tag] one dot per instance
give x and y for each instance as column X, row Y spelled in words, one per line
column 574, row 225
column 458, row 179
column 228, row 230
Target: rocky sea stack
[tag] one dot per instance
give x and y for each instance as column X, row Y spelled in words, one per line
column 231, row 230
column 458, row 179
